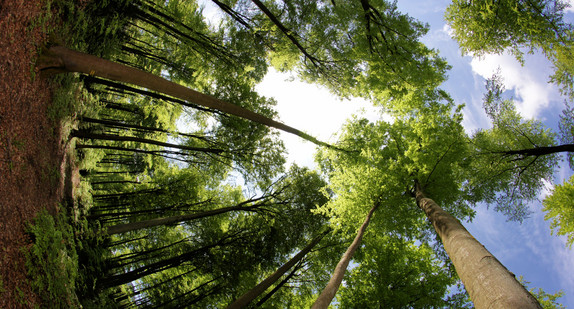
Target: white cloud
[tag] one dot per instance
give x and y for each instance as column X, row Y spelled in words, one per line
column 448, row 30
column 311, row 109
column 532, row 92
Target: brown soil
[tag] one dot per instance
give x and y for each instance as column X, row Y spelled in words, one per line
column 32, row 171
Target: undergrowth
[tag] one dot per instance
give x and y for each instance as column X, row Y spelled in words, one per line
column 52, row 261
column 67, row 254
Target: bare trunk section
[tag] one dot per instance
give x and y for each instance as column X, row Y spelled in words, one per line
column 248, row 297
column 61, row 59
column 330, row 290
column 487, row 281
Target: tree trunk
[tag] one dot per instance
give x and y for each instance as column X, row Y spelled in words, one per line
column 287, row 32
column 541, row 151
column 61, row 59
column 160, row 153
column 127, row 227
column 112, row 123
column 280, row 284
column 149, row 269
column 487, row 281
column 123, row 138
column 330, row 290
column 246, row 298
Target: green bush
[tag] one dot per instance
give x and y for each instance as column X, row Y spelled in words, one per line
column 52, row 262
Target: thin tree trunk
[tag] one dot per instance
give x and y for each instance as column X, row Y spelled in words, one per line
column 112, row 123
column 127, row 227
column 61, row 59
column 248, row 297
column 287, row 32
column 280, row 284
column 330, row 290
column 149, row 269
column 123, row 138
column 159, row 153
column 487, row 281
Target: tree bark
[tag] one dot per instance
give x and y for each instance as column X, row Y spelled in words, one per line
column 248, row 297
column 487, row 281
column 61, row 59
column 330, row 290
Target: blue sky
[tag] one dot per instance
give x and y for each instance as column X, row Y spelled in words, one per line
column 526, row 249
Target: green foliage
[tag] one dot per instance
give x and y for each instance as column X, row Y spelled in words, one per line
column 499, row 173
column 546, row 300
column 394, row 273
column 559, row 210
column 355, row 48
column 532, row 24
column 52, row 261
column 566, row 127
column 70, row 99
column 384, row 159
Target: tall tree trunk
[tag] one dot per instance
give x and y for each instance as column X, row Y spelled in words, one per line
column 124, row 138
column 487, row 281
column 160, row 153
column 330, row 290
column 61, row 59
column 127, row 227
column 113, row 123
column 149, row 269
column 540, row 151
column 246, row 298
column 280, row 284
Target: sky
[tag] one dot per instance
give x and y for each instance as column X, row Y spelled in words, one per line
column 526, row 249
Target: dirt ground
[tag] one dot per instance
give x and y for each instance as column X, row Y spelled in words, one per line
column 31, row 152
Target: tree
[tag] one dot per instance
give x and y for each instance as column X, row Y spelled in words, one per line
column 252, row 294
column 566, row 127
column 392, row 272
column 559, row 210
column 330, row 290
column 484, row 27
column 426, row 148
column 127, row 227
column 355, row 48
column 486, row 280
column 58, row 58
column 513, row 158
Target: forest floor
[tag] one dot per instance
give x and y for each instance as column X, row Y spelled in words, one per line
column 33, row 160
